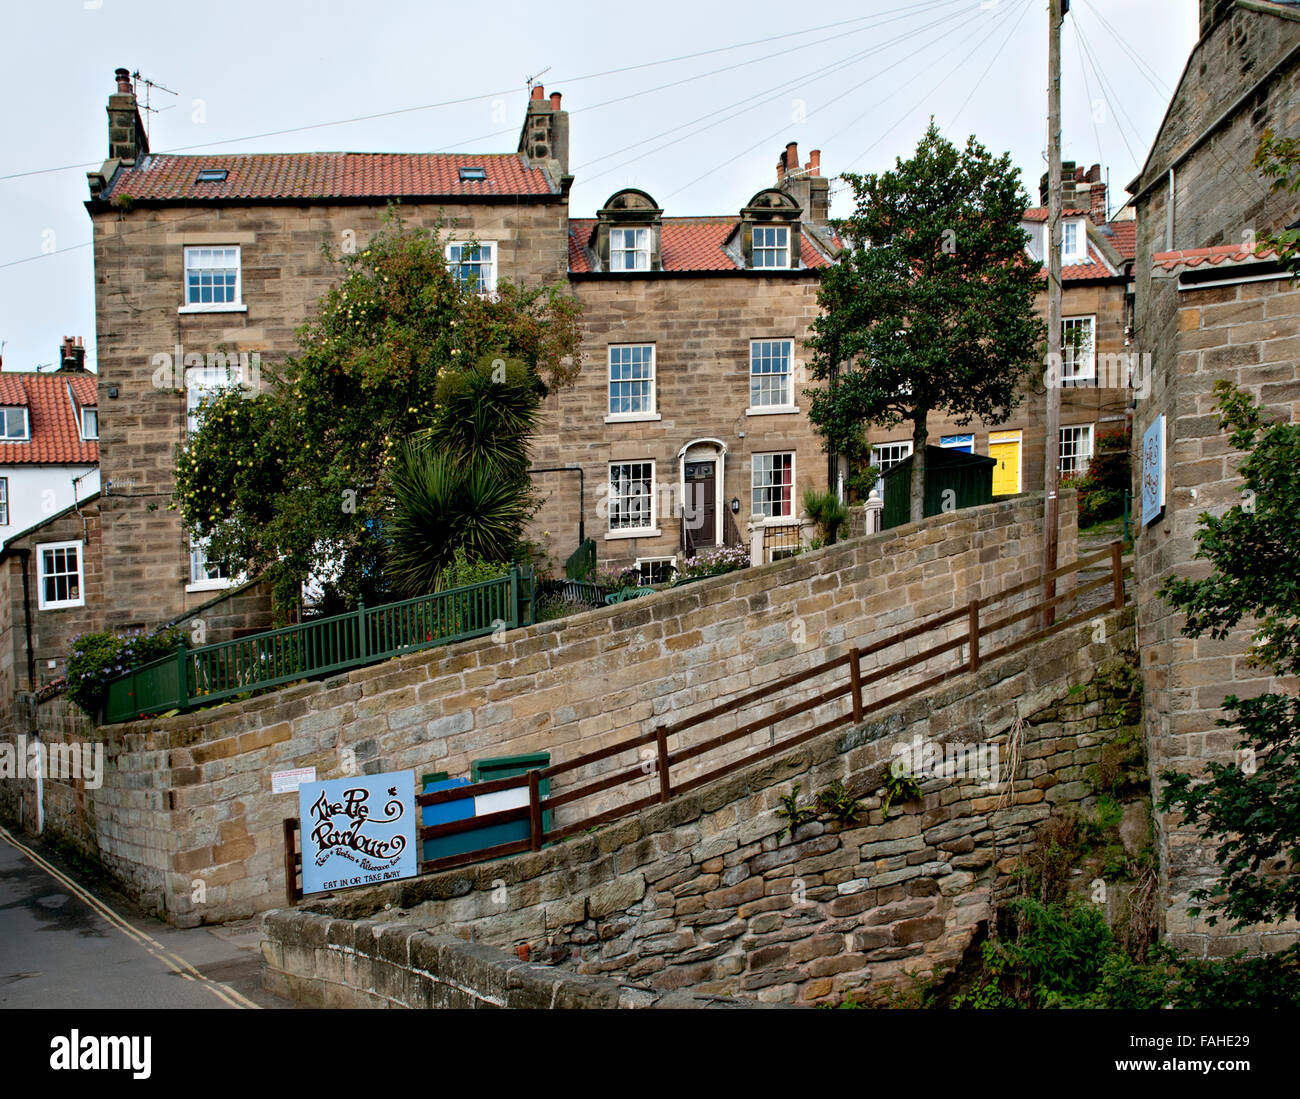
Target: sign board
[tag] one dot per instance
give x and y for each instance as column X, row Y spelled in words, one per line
column 1153, row 471
column 285, row 782
column 357, row 831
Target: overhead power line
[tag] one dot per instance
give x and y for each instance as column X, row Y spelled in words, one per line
column 955, row 28
column 948, row 74
column 803, row 79
column 305, row 127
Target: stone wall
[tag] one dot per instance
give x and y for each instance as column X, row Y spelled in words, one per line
column 564, row 687
column 1244, row 332
column 380, row 965
column 705, row 893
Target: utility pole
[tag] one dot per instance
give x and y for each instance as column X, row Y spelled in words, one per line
column 1052, row 440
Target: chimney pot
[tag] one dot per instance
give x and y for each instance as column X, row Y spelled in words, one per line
column 72, row 355
column 792, row 157
column 555, row 101
column 123, row 78
column 815, row 162
column 539, row 92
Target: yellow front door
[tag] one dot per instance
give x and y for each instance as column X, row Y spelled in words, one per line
column 1005, row 447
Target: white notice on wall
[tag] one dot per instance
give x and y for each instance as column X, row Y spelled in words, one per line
column 287, row 782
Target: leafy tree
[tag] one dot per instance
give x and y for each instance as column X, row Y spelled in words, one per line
column 931, row 307
column 295, row 481
column 1279, row 159
column 1251, row 806
column 462, row 486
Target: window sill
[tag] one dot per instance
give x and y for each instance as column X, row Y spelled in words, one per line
column 638, row 532
column 61, row 606
column 210, row 585
column 214, row 307
column 772, row 410
column 632, row 417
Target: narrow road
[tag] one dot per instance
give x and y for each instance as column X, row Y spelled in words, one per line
column 64, row 946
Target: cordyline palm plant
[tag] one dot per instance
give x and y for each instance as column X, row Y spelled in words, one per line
column 463, row 484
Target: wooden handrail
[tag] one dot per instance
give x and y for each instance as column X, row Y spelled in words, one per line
column 976, row 627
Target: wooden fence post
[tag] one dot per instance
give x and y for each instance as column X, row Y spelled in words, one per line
column 534, row 810
column 661, row 743
column 973, row 625
column 855, row 677
column 1117, row 572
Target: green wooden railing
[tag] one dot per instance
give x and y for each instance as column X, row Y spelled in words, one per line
column 211, row 673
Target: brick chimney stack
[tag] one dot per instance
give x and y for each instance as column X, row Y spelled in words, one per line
column 806, row 186
column 126, row 137
column 545, row 136
column 72, row 356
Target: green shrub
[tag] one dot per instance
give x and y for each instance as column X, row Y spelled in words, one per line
column 94, row 659
column 1064, row 955
column 826, row 510
column 1101, row 489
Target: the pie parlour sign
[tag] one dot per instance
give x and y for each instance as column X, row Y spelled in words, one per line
column 357, row 831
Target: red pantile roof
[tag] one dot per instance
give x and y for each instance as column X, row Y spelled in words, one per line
column 1095, row 268
column 53, row 402
column 1216, row 256
column 1123, row 235
column 327, row 175
column 685, row 244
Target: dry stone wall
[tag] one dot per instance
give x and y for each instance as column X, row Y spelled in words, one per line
column 706, row 894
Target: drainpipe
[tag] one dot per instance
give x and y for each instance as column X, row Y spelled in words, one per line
column 25, row 556
column 582, row 528
column 1169, row 215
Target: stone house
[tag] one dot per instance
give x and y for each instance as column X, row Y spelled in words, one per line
column 49, row 440
column 1210, row 305
column 1096, row 315
column 687, row 418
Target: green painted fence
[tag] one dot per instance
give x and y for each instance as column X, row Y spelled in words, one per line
column 211, row 673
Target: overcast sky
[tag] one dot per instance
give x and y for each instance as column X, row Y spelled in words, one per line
column 856, row 78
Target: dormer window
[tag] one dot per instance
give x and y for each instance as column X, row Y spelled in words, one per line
column 212, row 175
column 1074, row 242
column 472, row 175
column 627, row 233
column 90, row 423
column 14, row 424
column 769, row 235
column 629, row 249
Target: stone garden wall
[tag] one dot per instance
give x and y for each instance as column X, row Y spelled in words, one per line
column 706, row 894
column 186, row 817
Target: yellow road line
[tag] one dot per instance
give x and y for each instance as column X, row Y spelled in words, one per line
column 175, row 963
